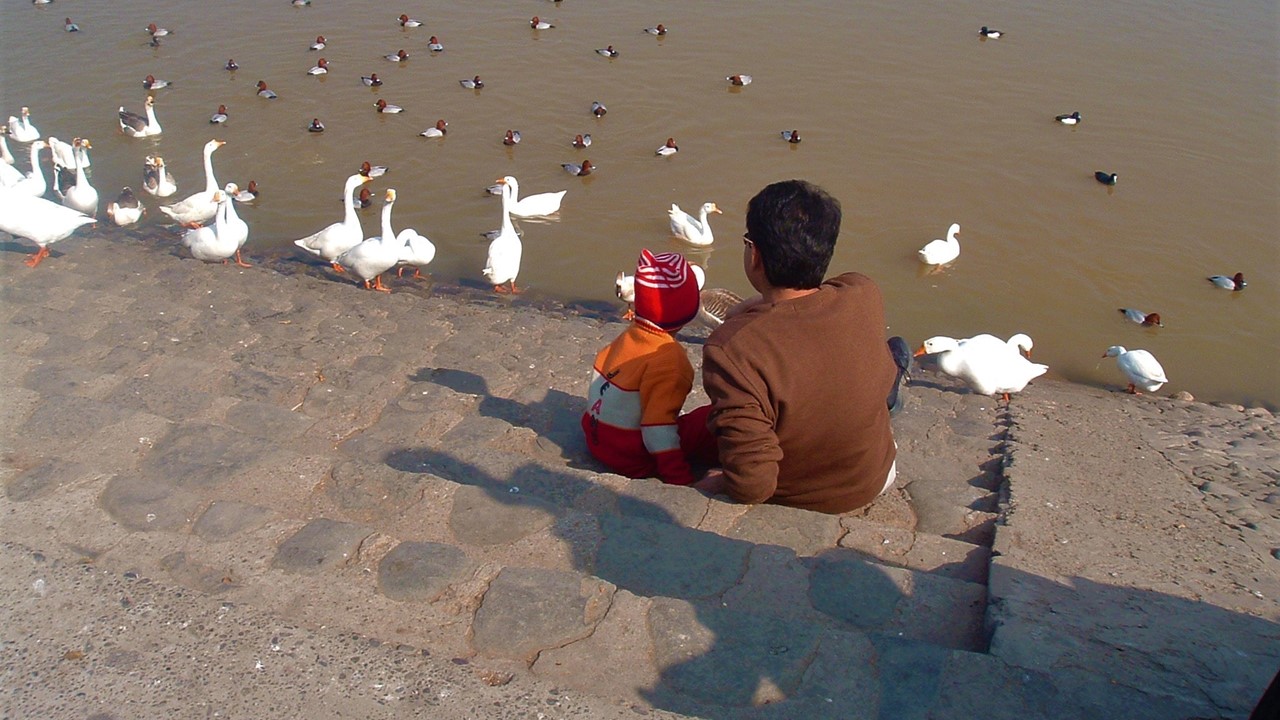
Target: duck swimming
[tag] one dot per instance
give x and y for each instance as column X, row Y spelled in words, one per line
column 1233, row 282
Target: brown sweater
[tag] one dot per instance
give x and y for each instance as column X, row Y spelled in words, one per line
column 798, row 393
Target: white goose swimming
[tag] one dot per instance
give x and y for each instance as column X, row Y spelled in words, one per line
column 66, row 153
column 126, row 210
column 33, row 183
column 534, row 205
column 81, row 196
column 503, row 263
column 5, row 156
column 987, row 364
column 373, row 256
column 38, row 220
column 941, row 252
column 156, row 178
column 200, row 207
column 211, row 243
column 695, row 231
column 135, row 125
column 1140, row 366
column 339, row 237
column 9, row 175
column 21, row 129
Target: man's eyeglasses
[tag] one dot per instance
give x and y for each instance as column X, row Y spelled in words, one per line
column 746, row 239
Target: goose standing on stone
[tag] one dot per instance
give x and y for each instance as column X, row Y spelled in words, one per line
column 200, row 207
column 211, row 243
column 695, row 231
column 1140, row 366
column 503, row 263
column 624, row 286
column 987, row 364
column 415, row 250
column 38, row 220
column 235, row 228
column 373, row 256
column 126, row 210
column 341, row 236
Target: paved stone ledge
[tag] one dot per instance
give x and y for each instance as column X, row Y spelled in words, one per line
column 410, row 468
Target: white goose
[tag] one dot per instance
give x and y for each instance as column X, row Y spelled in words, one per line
column 415, row 250
column 624, row 286
column 81, row 196
column 695, row 231
column 211, row 243
column 38, row 220
column 66, row 153
column 200, row 207
column 135, row 125
column 1140, row 366
column 370, row 258
column 503, row 263
column 9, row 175
column 339, row 237
column 5, row 156
column 33, row 183
column 126, row 210
column 941, row 252
column 533, row 205
column 235, row 228
column 156, row 178
column 987, row 364
column 21, row 129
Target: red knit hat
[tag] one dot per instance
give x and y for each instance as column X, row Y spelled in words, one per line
column 666, row 290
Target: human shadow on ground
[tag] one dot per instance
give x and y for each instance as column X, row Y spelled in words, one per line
column 740, row 629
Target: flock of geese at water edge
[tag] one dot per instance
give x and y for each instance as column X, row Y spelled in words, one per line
column 212, row 231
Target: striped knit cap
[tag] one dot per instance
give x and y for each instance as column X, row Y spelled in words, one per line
column 666, row 290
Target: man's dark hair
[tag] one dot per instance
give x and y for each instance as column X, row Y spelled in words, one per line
column 793, row 225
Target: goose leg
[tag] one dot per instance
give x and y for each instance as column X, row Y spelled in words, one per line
column 34, row 260
column 377, row 285
column 240, row 262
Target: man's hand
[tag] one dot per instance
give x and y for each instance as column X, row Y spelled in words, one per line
column 713, row 483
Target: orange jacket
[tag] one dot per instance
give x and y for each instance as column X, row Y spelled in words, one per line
column 638, row 385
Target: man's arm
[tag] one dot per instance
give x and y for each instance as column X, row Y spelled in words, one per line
column 743, row 426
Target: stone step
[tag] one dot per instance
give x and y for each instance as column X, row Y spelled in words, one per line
column 572, row 631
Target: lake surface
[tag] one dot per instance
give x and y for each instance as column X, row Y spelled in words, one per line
column 907, row 117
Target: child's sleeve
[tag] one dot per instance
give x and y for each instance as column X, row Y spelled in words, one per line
column 663, row 389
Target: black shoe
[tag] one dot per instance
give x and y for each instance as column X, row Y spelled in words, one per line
column 901, row 353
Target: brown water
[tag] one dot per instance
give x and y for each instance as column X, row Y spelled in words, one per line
column 907, row 117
